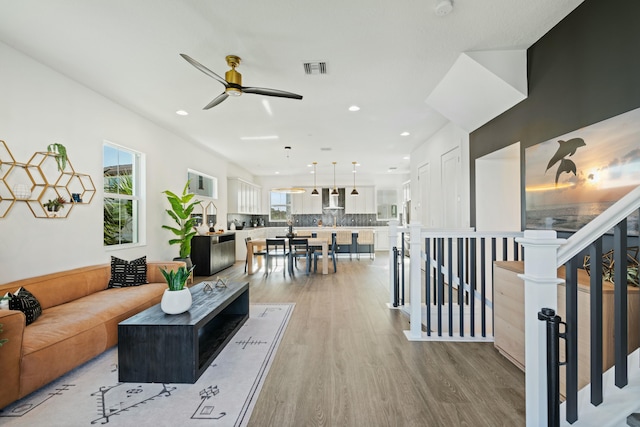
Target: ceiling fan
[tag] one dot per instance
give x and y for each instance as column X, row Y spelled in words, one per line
column 233, row 82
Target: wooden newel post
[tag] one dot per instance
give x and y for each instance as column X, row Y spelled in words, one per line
column 540, row 291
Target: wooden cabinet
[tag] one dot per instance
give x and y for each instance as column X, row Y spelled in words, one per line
column 509, row 321
column 211, row 254
column 243, row 197
column 364, row 203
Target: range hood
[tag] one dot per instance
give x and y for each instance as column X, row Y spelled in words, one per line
column 332, row 202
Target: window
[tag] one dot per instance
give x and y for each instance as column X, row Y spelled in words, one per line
column 280, row 204
column 202, row 185
column 121, row 173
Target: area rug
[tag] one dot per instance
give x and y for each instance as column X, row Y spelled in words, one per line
column 223, row 396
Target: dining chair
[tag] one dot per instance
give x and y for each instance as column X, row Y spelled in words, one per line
column 299, row 248
column 276, row 248
column 344, row 238
column 330, row 253
column 262, row 253
column 365, row 237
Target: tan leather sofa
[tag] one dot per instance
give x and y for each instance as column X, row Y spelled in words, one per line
column 79, row 321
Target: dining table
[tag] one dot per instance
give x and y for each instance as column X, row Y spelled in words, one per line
column 260, row 244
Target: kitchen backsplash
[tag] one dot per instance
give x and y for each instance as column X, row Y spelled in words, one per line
column 311, row 220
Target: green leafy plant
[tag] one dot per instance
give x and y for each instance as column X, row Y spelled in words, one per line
column 181, row 208
column 61, row 154
column 176, row 279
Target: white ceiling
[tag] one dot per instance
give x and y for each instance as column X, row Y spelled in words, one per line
column 384, row 56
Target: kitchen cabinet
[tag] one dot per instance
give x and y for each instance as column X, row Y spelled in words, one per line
column 243, row 197
column 363, row 203
column 213, row 253
column 382, row 239
column 241, row 235
column 305, row 203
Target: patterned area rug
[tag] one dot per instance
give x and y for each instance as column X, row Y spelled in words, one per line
column 223, row 396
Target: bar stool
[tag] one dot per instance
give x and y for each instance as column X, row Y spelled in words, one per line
column 365, row 237
column 344, row 238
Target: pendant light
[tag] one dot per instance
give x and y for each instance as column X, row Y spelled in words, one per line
column 288, row 190
column 315, row 189
column 334, row 192
column 354, row 192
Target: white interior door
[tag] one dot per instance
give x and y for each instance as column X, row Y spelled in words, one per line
column 451, row 173
column 421, row 209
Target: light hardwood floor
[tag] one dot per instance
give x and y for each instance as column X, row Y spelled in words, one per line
column 344, row 360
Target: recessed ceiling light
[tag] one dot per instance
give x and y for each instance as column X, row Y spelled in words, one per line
column 405, row 133
column 277, row 173
column 354, row 108
column 182, row 113
column 406, row 157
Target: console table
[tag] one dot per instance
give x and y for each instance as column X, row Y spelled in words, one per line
column 163, row 348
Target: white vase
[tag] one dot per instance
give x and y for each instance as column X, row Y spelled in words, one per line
column 176, row 302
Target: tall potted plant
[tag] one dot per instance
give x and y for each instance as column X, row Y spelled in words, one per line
column 180, row 212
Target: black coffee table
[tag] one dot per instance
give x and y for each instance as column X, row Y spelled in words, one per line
column 178, row 348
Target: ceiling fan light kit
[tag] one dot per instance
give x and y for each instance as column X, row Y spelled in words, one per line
column 233, row 82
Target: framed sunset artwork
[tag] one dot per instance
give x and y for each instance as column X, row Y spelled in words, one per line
column 575, row 177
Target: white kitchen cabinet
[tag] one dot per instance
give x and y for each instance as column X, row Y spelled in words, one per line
column 241, row 235
column 312, row 204
column 305, row 203
column 382, row 239
column 363, row 203
column 243, row 197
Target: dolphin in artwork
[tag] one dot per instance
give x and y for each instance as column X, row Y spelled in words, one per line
column 566, row 148
column 567, row 166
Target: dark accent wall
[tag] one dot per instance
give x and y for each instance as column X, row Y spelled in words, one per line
column 584, row 70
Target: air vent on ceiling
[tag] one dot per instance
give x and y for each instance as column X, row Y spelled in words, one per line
column 315, row 67
column 325, row 148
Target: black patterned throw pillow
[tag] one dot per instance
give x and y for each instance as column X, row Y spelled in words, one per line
column 24, row 301
column 128, row 273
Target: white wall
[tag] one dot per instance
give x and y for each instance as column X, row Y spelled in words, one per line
column 431, row 151
column 39, row 106
column 498, row 190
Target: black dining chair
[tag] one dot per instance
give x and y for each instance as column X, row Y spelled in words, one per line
column 276, row 248
column 331, row 253
column 262, row 253
column 299, row 248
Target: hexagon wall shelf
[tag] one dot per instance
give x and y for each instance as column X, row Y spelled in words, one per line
column 39, row 180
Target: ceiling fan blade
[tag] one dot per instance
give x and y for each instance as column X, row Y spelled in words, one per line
column 271, row 92
column 204, row 69
column 217, row 100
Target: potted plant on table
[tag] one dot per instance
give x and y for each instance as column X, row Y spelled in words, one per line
column 177, row 297
column 180, row 212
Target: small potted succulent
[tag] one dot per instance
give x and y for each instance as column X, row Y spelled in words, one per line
column 177, row 297
column 54, row 205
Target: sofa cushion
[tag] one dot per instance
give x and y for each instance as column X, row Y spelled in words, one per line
column 24, row 301
column 128, row 273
